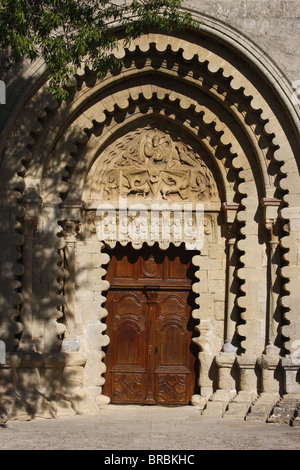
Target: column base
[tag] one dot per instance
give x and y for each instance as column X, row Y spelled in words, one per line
column 286, row 410
column 262, row 407
column 217, row 404
column 291, row 367
column 240, row 405
column 268, row 364
column 199, row 401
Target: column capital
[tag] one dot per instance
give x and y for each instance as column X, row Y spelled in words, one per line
column 230, row 209
column 71, row 228
column 270, row 206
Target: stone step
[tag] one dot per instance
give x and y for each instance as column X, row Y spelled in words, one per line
column 214, row 408
column 285, row 410
column 296, row 418
column 262, row 407
column 239, row 406
column 237, row 410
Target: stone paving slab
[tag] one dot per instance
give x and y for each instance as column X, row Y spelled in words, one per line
column 147, row 428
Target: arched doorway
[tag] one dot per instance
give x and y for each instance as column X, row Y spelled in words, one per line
column 151, row 358
column 232, row 144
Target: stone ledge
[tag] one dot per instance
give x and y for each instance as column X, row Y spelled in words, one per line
column 37, row 360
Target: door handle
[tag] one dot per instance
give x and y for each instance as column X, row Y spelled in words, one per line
column 156, row 350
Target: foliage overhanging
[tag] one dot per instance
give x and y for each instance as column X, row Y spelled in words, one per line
column 69, row 34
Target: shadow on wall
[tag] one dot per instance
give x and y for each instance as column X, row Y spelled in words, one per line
column 38, row 378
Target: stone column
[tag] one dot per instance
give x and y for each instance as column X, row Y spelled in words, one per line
column 248, row 378
column 71, row 228
column 218, row 402
column 270, row 358
column 30, row 222
column 226, row 358
column 271, row 225
column 230, row 234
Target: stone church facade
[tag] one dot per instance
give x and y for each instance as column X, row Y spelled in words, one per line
column 150, row 225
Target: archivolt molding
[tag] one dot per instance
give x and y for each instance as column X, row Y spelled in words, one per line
column 99, row 111
column 62, row 131
column 167, row 114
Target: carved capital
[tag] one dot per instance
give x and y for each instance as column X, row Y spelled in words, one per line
column 272, row 227
column 270, row 206
column 71, row 229
column 230, row 209
column 73, row 209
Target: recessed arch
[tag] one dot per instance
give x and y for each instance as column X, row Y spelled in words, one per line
column 97, row 113
column 221, row 98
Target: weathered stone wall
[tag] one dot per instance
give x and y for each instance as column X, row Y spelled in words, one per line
column 217, row 88
column 273, row 25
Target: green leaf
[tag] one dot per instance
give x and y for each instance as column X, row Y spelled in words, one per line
column 64, row 32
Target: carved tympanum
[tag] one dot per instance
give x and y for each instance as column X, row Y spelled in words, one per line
column 151, row 163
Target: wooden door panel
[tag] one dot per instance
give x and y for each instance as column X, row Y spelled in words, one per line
column 171, row 389
column 150, row 268
column 129, row 328
column 126, row 355
column 173, row 375
column 172, row 346
column 171, row 329
column 177, row 268
column 128, row 387
column 148, row 359
column 124, row 270
column 122, row 267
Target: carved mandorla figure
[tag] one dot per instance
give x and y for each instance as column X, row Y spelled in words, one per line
column 150, row 163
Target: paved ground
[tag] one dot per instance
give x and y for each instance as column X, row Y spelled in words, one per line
column 147, row 428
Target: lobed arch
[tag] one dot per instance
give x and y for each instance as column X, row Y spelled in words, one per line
column 199, row 90
column 88, row 115
column 73, row 127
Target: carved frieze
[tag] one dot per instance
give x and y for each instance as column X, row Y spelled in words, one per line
column 154, row 164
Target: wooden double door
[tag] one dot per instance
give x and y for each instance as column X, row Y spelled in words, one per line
column 150, row 358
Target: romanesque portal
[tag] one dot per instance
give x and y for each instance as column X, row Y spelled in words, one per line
column 102, row 305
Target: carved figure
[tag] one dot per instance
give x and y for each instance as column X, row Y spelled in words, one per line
column 152, row 163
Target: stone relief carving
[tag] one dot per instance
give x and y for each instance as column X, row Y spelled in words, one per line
column 151, row 163
column 163, row 227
